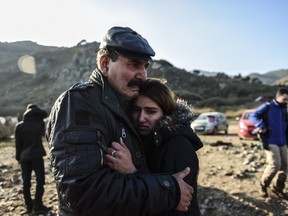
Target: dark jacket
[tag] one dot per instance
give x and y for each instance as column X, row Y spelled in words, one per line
column 172, row 147
column 28, row 135
column 82, row 121
column 273, row 117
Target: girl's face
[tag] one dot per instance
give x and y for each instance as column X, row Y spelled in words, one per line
column 145, row 114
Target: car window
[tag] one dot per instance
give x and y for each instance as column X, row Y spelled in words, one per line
column 211, row 118
column 202, row 117
column 246, row 115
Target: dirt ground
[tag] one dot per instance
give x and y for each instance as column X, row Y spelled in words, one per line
column 228, row 179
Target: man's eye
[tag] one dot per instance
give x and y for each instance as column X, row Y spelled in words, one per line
column 133, row 66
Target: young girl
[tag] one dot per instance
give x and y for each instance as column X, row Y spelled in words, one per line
column 169, row 142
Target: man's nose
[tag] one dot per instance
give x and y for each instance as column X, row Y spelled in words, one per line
column 142, row 74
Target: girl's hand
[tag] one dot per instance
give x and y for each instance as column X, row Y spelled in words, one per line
column 119, row 158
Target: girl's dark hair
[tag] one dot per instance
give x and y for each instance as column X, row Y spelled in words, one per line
column 158, row 91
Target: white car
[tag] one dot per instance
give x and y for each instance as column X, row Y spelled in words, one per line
column 210, row 123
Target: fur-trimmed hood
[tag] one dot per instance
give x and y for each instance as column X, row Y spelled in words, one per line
column 180, row 116
column 178, row 123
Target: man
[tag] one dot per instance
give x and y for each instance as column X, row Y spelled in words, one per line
column 271, row 121
column 87, row 118
column 30, row 153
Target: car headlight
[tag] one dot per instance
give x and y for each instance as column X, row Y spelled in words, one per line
column 242, row 125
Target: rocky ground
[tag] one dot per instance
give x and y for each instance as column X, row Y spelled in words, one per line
column 228, row 180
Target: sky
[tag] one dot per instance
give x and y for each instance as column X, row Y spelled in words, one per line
column 229, row 36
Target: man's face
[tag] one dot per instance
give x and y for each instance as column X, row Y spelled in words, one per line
column 145, row 115
column 126, row 75
column 282, row 99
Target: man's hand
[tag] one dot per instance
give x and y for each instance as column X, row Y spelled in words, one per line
column 186, row 190
column 259, row 131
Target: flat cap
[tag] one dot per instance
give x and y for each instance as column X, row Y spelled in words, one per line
column 128, row 43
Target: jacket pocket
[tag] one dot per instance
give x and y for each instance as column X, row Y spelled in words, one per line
column 82, row 153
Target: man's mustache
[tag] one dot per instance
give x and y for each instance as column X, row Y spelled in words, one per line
column 136, row 82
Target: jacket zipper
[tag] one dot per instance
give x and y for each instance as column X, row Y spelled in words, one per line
column 123, row 131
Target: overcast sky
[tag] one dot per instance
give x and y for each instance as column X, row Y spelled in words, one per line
column 230, row 36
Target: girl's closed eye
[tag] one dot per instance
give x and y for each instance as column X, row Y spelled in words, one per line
column 151, row 111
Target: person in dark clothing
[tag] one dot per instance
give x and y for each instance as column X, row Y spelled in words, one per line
column 271, row 122
column 87, row 118
column 30, row 153
column 169, row 141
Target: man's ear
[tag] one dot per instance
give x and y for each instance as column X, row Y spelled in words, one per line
column 104, row 60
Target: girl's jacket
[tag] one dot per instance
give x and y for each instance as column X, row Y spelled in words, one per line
column 172, row 147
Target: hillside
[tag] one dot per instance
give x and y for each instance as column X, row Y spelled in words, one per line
column 59, row 67
column 11, row 52
column 272, row 77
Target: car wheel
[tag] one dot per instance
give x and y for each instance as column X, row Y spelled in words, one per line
column 215, row 131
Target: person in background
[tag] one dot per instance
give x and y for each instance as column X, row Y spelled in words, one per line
column 169, row 141
column 271, row 121
column 84, row 122
column 30, row 153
